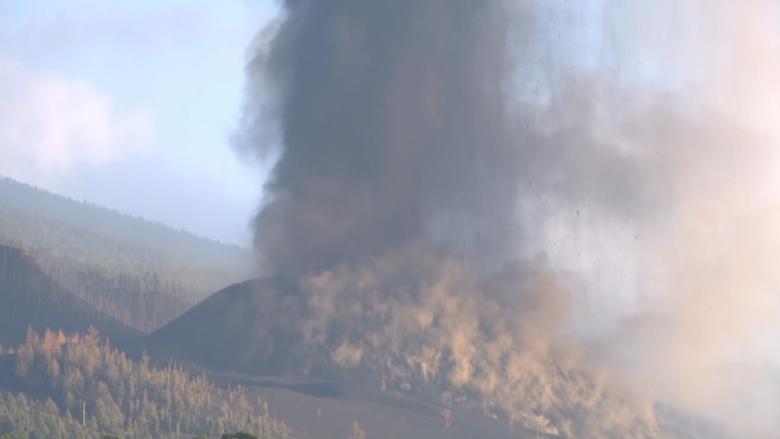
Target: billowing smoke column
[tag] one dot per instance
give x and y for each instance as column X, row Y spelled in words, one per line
column 393, row 115
column 461, row 182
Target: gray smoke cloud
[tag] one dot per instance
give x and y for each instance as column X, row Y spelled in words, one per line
column 459, row 186
column 382, row 106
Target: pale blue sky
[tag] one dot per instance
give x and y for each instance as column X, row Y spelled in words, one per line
column 130, row 105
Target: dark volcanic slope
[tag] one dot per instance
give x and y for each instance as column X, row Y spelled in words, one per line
column 28, row 297
column 246, row 327
column 248, row 334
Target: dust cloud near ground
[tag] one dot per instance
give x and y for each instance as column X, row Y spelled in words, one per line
column 568, row 211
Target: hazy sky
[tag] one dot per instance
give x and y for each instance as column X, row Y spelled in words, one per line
column 130, row 104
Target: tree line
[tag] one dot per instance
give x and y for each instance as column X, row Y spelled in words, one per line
column 92, row 390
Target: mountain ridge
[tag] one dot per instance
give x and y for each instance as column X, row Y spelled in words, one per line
column 101, row 219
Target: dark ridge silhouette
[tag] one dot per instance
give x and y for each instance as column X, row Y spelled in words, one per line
column 248, row 327
column 257, row 329
column 30, row 298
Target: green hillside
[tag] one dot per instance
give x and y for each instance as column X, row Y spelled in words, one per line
column 140, row 272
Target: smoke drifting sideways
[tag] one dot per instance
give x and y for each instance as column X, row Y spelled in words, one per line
column 459, row 183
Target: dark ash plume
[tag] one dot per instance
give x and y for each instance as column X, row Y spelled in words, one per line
column 393, row 117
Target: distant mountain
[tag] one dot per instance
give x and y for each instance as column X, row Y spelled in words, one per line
column 108, row 221
column 30, row 298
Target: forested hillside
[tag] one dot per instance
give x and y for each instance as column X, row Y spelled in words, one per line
column 142, row 273
column 75, row 386
column 30, row 298
column 72, row 267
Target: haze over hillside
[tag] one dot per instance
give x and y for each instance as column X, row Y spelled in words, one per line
column 29, row 299
column 141, row 273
